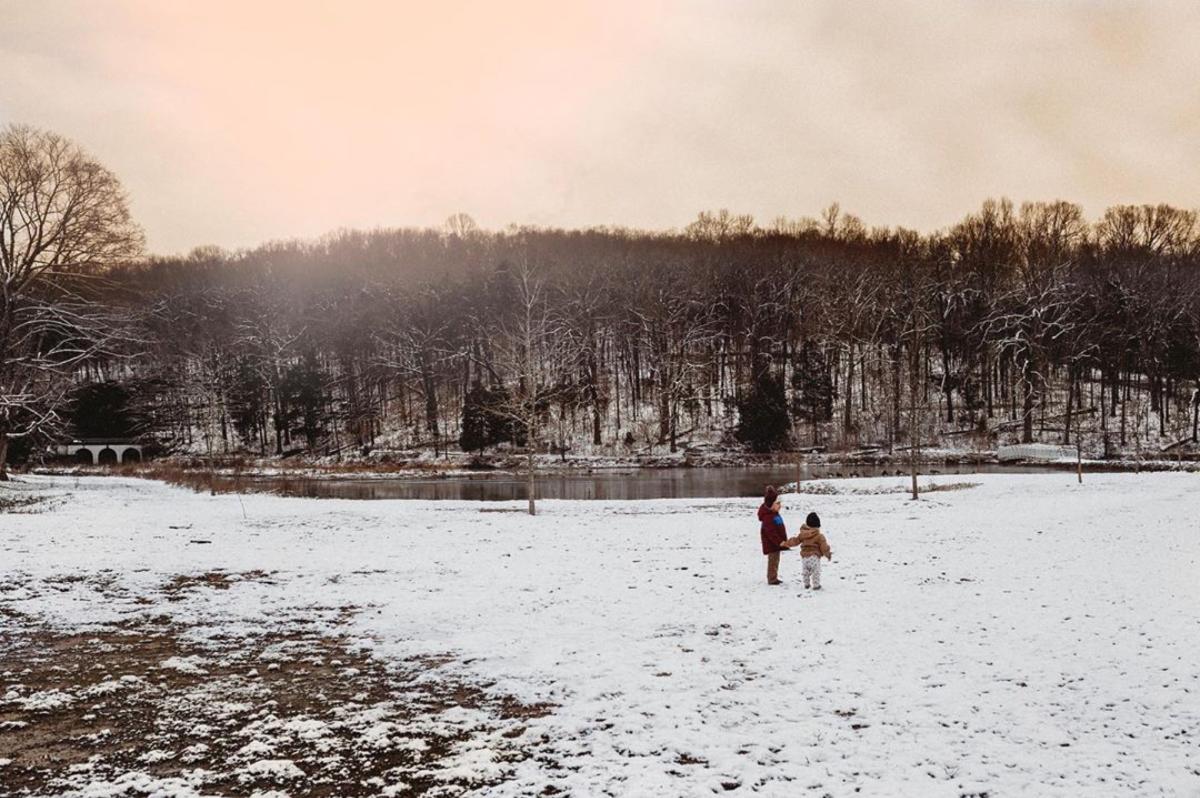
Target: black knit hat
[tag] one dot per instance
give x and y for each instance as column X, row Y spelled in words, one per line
column 813, row 520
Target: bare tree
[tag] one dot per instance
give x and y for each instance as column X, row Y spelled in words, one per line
column 63, row 217
column 586, row 316
column 678, row 330
column 911, row 322
column 1036, row 311
column 461, row 225
column 720, row 225
column 529, row 344
column 271, row 342
column 417, row 345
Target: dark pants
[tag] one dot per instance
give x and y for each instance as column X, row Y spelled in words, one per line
column 773, row 566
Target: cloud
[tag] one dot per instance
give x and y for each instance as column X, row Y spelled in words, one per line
column 232, row 123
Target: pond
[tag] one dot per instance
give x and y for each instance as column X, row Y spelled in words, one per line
column 666, row 483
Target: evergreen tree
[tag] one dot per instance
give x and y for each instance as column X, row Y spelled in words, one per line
column 476, row 432
column 247, row 401
column 763, row 415
column 304, row 387
column 101, row 410
column 484, row 422
column 812, row 387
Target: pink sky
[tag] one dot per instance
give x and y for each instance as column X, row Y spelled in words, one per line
column 236, row 122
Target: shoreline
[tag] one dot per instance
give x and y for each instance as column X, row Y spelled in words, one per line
column 553, row 466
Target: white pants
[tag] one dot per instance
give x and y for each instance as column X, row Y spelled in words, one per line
column 811, row 571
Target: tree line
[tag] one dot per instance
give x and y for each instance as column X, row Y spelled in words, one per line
column 1018, row 323
column 1021, row 322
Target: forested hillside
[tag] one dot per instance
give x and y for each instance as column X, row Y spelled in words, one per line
column 1018, row 323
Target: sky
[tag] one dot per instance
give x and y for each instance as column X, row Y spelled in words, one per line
column 234, row 122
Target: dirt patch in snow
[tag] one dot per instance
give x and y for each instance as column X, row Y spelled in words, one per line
column 137, row 708
column 218, row 580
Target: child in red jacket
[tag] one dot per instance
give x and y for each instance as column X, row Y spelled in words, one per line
column 773, row 533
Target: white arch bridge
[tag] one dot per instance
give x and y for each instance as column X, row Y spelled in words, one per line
column 101, row 452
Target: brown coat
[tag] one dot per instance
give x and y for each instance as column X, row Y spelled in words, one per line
column 811, row 542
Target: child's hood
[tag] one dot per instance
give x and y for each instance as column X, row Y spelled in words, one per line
column 808, row 533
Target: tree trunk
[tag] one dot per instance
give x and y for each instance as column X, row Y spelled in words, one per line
column 1164, row 404
column 531, row 486
column 664, row 411
column 430, row 390
column 1123, row 405
column 3, row 456
column 1027, row 408
column 596, row 438
column 925, row 380
column 947, row 384
column 915, row 435
column 635, row 381
column 1012, row 391
column 849, row 407
column 1195, row 417
column 895, row 399
column 1116, row 393
column 1070, row 396
column 862, row 380
column 988, row 389
column 593, row 387
column 1155, row 394
column 1103, row 405
column 617, row 393
column 799, row 462
column 279, row 424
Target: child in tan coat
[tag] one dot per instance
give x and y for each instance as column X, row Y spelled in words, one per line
column 813, row 546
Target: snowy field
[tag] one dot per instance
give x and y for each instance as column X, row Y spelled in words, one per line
column 1020, row 636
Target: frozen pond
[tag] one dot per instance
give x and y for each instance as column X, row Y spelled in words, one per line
column 666, row 483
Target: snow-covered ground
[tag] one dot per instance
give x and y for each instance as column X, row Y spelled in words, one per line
column 1024, row 635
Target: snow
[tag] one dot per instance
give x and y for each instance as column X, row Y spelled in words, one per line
column 252, row 749
column 139, row 784
column 1022, row 634
column 111, row 686
column 305, row 729
column 156, row 755
column 44, row 701
column 277, row 769
column 193, row 664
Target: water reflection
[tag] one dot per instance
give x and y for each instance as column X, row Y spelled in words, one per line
column 672, row 483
